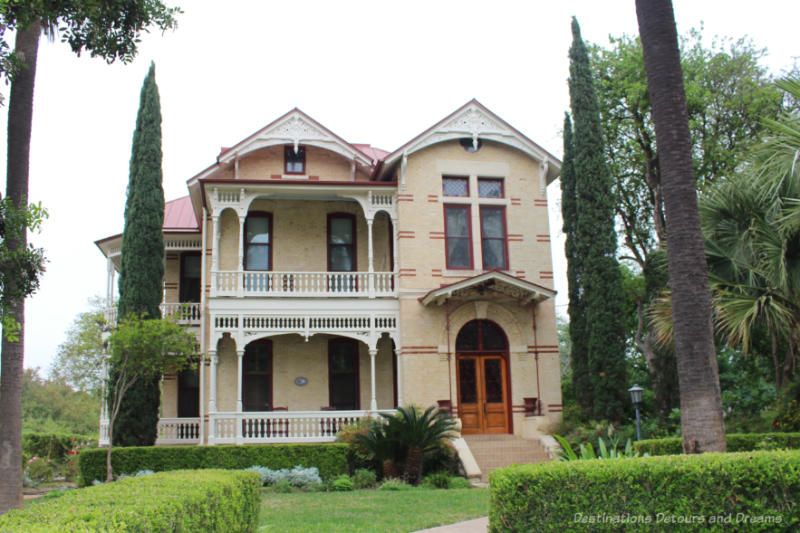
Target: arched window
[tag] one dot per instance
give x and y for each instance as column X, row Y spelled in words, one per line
column 481, row 336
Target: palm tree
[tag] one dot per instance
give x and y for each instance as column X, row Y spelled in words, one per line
column 700, row 398
column 20, row 112
column 417, row 434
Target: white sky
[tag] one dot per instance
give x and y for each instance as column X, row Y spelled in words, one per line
column 376, row 72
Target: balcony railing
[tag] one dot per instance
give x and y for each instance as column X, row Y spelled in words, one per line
column 185, row 313
column 304, row 284
column 168, row 431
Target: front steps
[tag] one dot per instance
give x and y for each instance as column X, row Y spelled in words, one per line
column 494, row 451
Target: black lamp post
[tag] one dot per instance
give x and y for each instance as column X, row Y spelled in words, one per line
column 636, row 398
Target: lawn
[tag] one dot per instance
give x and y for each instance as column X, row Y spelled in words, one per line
column 370, row 510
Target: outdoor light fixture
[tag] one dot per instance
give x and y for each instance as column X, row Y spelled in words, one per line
column 636, row 398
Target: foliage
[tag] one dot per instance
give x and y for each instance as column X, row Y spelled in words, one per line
column 612, row 450
column 55, row 446
column 409, row 435
column 205, row 500
column 364, row 479
column 358, row 455
column 142, row 263
column 394, row 483
column 79, row 361
column 556, row 496
column 342, row 483
column 296, row 477
column 39, row 469
column 142, row 350
column 20, row 266
column 329, row 459
column 595, row 247
column 437, row 480
column 54, row 407
column 737, row 442
column 788, row 414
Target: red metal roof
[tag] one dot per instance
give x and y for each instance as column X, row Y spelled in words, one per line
column 178, row 214
column 373, row 152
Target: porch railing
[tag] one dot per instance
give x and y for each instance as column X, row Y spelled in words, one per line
column 304, row 284
column 281, row 426
column 178, row 431
column 185, row 313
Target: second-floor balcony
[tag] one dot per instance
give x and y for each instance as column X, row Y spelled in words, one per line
column 186, row 313
column 304, row 284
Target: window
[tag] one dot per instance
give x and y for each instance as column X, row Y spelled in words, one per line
column 481, row 336
column 458, row 236
column 490, row 188
column 493, row 237
column 455, row 186
column 257, row 376
column 341, row 242
column 294, row 162
column 343, row 374
column 258, row 241
column 189, row 289
column 188, row 394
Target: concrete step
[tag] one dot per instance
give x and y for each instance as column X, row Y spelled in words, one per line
column 496, row 451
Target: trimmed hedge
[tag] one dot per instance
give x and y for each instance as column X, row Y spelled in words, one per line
column 200, row 500
column 737, row 442
column 754, row 491
column 330, row 459
column 52, row 445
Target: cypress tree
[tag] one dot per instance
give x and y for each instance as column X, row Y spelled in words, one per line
column 142, row 265
column 579, row 363
column 596, row 243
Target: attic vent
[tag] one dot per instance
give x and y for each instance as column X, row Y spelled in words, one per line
column 470, row 146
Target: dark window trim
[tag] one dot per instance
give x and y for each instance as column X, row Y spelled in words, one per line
column 453, row 177
column 268, row 343
column 502, row 187
column 271, row 237
column 469, row 236
column 353, row 221
column 357, row 372
column 287, row 150
column 502, row 209
column 184, row 255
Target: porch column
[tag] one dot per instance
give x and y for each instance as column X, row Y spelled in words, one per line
column 239, row 357
column 212, row 393
column 241, row 282
column 373, row 403
column 396, row 253
column 110, row 283
column 215, row 256
column 399, row 375
column 371, row 269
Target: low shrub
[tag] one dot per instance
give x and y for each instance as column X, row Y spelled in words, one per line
column 343, row 483
column 208, row 500
column 439, row 480
column 329, row 459
column 394, row 483
column 364, row 479
column 754, row 491
column 55, row 446
column 296, row 477
column 40, row 469
column 458, row 482
column 737, row 442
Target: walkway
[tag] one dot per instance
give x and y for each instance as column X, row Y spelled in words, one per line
column 478, row 525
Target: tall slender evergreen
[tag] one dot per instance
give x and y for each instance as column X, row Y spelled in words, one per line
column 579, row 362
column 142, row 267
column 596, row 243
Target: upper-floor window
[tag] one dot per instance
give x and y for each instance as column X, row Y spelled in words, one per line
column 458, row 236
column 493, row 237
column 294, row 162
column 453, row 186
column 189, row 288
column 490, row 188
column 341, row 242
column 258, row 241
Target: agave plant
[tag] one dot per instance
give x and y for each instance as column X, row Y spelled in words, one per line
column 587, row 451
column 416, row 433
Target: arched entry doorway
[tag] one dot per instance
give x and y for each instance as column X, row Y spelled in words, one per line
column 483, row 379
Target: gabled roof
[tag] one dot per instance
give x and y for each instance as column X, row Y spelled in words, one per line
column 473, row 120
column 179, row 215
column 495, row 281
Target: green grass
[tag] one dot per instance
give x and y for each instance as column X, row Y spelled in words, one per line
column 370, row 510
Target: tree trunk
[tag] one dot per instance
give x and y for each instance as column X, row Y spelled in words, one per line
column 20, row 113
column 701, row 405
column 414, row 465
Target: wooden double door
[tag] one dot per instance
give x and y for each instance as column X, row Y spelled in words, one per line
column 482, row 393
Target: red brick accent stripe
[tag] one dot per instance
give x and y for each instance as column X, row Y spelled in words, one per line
column 313, row 178
column 410, row 352
column 516, row 201
column 275, row 177
column 170, row 285
column 514, row 237
column 436, row 235
column 436, row 272
column 554, row 405
column 406, row 235
column 405, row 197
column 546, row 274
column 433, row 198
column 542, row 346
column 543, row 238
column 540, row 203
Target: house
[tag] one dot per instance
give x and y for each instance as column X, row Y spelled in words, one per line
column 327, row 281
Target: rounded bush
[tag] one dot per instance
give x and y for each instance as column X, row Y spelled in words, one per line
column 364, row 479
column 342, row 483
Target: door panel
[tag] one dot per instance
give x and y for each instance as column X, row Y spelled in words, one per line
column 483, row 397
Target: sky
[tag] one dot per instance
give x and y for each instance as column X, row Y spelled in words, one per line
column 376, row 72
